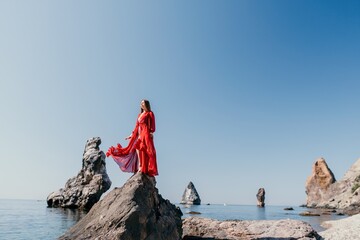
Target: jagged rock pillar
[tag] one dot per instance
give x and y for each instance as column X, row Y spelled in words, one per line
column 261, row 197
column 84, row 190
column 318, row 183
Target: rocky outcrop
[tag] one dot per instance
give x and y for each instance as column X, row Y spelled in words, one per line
column 323, row 191
column 134, row 211
column 343, row 229
column 261, row 197
column 319, row 182
column 84, row 190
column 190, row 196
column 353, row 209
column 203, row 228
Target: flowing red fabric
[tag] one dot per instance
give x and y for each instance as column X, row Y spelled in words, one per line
column 141, row 140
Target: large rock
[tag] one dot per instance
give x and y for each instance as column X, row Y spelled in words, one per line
column 323, row 191
column 319, row 182
column 134, row 211
column 343, row 229
column 190, row 196
column 203, row 228
column 84, row 190
column 261, row 197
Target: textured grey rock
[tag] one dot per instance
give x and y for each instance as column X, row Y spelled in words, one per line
column 203, row 228
column 84, row 190
column 324, row 192
column 261, row 197
column 343, row 229
column 352, row 209
column 190, row 196
column 134, row 211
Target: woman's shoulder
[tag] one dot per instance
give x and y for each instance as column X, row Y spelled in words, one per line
column 146, row 114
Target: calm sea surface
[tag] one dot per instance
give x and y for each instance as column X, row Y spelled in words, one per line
column 31, row 219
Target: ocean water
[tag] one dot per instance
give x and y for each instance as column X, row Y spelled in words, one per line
column 31, row 219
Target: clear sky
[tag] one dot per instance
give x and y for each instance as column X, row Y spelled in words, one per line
column 247, row 94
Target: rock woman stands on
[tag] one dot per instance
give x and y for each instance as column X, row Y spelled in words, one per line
column 141, row 145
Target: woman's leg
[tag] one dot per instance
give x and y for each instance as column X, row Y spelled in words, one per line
column 139, row 157
column 144, row 159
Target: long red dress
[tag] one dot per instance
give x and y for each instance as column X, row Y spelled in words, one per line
column 141, row 140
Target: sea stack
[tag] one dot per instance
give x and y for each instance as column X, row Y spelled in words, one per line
column 323, row 191
column 84, row 190
column 190, row 196
column 318, row 183
column 134, row 211
column 261, row 197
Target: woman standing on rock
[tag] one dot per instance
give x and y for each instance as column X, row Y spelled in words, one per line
column 141, row 145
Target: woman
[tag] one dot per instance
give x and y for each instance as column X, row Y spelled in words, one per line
column 141, row 145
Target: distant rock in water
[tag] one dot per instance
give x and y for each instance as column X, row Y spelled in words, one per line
column 261, row 197
column 194, row 212
column 190, row 196
column 323, row 191
column 134, row 211
column 84, row 190
column 309, row 214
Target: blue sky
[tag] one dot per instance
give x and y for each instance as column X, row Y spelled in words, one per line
column 247, row 94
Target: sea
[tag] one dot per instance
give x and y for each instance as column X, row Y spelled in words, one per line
column 32, row 219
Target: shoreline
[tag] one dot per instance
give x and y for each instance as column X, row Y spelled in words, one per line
column 252, row 212
column 65, row 217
